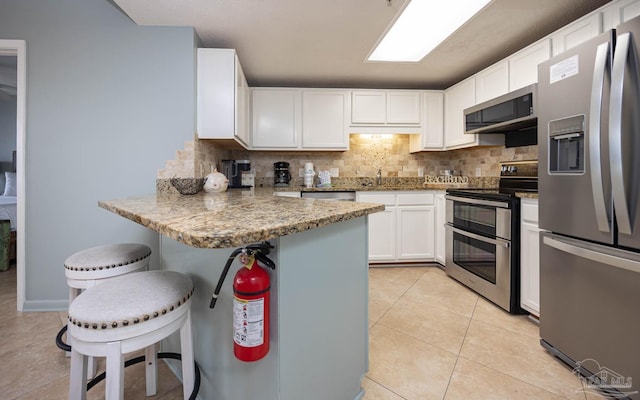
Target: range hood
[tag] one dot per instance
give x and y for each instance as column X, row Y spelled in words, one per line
column 514, row 114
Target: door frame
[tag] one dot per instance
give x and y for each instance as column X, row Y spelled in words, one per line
column 18, row 48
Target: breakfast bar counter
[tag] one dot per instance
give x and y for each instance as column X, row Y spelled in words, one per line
column 319, row 289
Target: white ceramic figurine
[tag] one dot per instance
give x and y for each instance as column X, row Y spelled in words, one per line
column 215, row 182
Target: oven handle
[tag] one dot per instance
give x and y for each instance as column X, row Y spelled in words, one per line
column 496, row 241
column 499, row 204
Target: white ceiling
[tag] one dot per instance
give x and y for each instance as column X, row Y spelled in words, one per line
column 323, row 43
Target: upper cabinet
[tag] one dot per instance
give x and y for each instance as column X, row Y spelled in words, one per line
column 222, row 107
column 492, row 82
column 523, row 65
column 325, row 119
column 617, row 12
column 432, row 137
column 299, row 119
column 456, row 99
column 276, row 118
column 578, row 32
column 393, row 111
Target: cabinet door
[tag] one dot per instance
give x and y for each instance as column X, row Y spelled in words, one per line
column 324, row 119
column 441, row 219
column 456, row 99
column 403, row 107
column 617, row 12
column 242, row 105
column 575, row 33
column 523, row 66
column 276, row 118
column 415, row 232
column 530, row 257
column 492, row 82
column 216, row 88
column 382, row 235
column 382, row 226
column 368, row 107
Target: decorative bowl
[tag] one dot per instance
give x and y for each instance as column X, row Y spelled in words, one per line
column 187, row 185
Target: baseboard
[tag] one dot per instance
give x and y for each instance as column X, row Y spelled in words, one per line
column 45, row 305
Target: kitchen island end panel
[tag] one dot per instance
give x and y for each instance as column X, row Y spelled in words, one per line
column 319, row 317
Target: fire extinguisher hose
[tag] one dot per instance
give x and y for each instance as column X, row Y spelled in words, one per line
column 227, row 265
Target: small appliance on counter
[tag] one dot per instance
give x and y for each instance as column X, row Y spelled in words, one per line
column 281, row 175
column 238, row 172
column 309, row 174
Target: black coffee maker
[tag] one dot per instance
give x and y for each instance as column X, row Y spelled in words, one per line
column 281, row 175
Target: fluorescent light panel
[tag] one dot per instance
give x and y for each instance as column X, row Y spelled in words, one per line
column 422, row 26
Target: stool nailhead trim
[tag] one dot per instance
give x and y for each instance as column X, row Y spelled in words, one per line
column 100, row 268
column 135, row 320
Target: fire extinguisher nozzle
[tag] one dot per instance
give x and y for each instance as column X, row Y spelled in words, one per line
column 213, row 301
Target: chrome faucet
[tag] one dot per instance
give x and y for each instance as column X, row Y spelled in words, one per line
column 379, row 177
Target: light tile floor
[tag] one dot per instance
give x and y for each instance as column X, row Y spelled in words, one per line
column 430, row 338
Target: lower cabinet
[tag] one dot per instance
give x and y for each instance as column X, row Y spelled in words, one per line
column 529, row 257
column 405, row 230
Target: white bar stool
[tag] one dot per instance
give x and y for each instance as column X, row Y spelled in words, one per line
column 94, row 265
column 126, row 314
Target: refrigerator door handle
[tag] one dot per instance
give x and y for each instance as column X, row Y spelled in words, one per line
column 590, row 254
column 615, row 133
column 595, row 123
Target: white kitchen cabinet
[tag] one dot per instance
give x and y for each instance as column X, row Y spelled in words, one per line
column 529, row 257
column 405, row 230
column 276, row 118
column 523, row 65
column 324, row 119
column 575, row 33
column 441, row 219
column 432, row 134
column 221, row 96
column 617, row 12
column 492, row 82
column 382, row 226
column 386, row 111
column 416, row 234
column 403, row 107
column 368, row 107
column 456, row 99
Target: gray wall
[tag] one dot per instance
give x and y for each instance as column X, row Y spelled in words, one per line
column 108, row 102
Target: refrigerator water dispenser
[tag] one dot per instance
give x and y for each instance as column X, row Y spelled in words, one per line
column 566, row 145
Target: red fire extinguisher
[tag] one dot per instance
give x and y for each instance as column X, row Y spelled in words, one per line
column 251, row 287
column 251, row 302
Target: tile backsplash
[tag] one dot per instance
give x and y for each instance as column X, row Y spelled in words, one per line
column 365, row 156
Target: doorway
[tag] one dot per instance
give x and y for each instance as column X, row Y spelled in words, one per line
column 17, row 49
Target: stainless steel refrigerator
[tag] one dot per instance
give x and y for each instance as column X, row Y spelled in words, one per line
column 589, row 190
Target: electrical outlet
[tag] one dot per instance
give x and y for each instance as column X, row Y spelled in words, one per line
column 478, row 171
column 334, row 172
column 301, row 173
column 420, row 172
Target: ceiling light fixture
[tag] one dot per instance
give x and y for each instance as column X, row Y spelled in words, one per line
column 421, row 26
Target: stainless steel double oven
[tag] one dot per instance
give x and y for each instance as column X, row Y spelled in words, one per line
column 483, row 235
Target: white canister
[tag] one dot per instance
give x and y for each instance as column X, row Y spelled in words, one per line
column 308, row 180
column 308, row 168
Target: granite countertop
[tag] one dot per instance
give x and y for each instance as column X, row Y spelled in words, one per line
column 527, row 195
column 365, row 184
column 233, row 218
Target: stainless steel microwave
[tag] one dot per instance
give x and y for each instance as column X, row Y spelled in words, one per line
column 512, row 112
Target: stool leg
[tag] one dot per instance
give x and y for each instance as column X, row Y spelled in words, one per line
column 78, row 376
column 151, row 369
column 186, row 348
column 114, row 389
